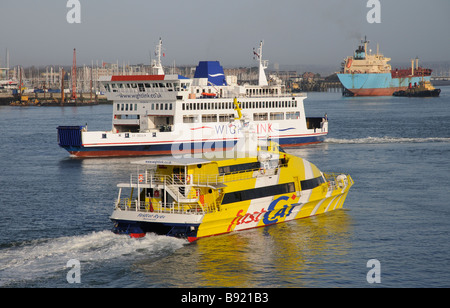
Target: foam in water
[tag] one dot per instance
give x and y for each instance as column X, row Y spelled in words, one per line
column 42, row 258
column 385, row 139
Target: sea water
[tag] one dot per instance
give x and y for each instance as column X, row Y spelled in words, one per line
column 55, row 208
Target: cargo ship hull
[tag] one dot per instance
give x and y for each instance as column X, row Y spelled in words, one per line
column 377, row 84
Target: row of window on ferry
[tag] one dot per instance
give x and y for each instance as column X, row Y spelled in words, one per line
column 132, row 87
column 263, row 116
column 244, row 105
column 155, row 106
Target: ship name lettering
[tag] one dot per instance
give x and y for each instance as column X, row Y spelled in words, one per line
column 246, row 219
column 281, row 213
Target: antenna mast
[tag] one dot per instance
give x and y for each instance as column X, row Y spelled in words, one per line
column 74, row 75
column 156, row 63
column 262, row 65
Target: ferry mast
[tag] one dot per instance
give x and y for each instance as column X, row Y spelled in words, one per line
column 263, row 64
column 156, row 63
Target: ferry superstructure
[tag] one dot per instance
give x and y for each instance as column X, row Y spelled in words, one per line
column 194, row 197
column 370, row 74
column 170, row 114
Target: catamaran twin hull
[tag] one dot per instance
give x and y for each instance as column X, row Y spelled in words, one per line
column 192, row 197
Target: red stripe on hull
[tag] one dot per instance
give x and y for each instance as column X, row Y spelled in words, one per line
column 120, row 153
column 124, row 153
column 376, row 92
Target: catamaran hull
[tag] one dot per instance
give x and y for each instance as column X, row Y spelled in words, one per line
column 259, row 213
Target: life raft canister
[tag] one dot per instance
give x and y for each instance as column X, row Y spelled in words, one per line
column 349, row 63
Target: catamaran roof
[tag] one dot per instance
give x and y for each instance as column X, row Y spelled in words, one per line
column 173, row 161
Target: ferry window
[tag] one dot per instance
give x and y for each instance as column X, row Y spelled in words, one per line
column 312, row 183
column 135, row 106
column 126, row 107
column 118, row 107
column 131, row 107
column 162, row 106
column 292, row 115
column 208, row 118
column 188, row 119
column 141, row 87
column 134, row 86
column 170, row 106
column 277, row 116
column 113, row 85
column 122, row 107
column 120, row 85
column 260, row 117
column 166, row 106
column 225, row 117
column 183, row 107
column 260, row 192
column 147, row 85
column 162, row 85
column 153, row 106
column 157, row 106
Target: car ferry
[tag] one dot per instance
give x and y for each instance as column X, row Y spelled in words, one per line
column 194, row 197
column 166, row 114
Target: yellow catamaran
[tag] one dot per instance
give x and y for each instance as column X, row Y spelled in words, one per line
column 195, row 197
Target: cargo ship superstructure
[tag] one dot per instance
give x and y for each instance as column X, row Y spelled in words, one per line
column 170, row 114
column 369, row 74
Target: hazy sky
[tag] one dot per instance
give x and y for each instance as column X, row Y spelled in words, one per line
column 36, row 32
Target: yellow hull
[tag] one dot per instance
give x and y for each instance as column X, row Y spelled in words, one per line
column 254, row 214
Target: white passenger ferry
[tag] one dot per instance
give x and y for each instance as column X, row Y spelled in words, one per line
column 171, row 114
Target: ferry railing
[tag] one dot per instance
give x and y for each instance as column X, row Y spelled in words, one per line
column 337, row 181
column 163, row 207
column 204, row 179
